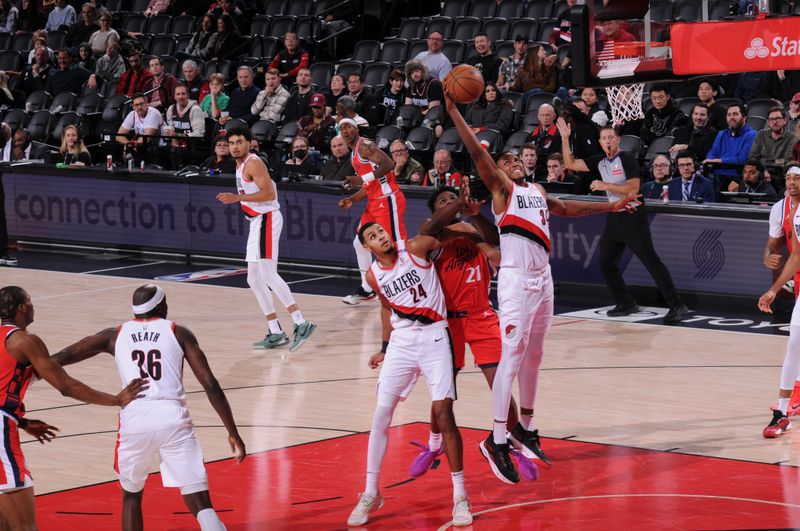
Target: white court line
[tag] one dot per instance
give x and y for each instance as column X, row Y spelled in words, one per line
column 602, row 496
column 122, row 267
column 82, row 292
column 311, row 279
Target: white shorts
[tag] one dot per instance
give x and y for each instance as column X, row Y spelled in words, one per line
column 265, row 233
column 14, row 474
column 174, row 439
column 795, row 321
column 525, row 302
column 424, row 349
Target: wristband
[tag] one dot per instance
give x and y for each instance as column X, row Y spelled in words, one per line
column 384, row 345
column 22, row 422
column 368, row 178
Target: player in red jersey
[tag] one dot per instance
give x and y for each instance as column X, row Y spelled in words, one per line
column 386, row 204
column 464, row 273
column 21, row 355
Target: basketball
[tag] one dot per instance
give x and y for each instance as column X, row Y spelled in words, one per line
column 465, row 83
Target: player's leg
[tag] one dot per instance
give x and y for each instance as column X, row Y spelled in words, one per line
column 791, row 367
column 303, row 329
column 133, row 459
column 275, row 337
column 489, row 372
column 132, row 519
column 199, row 503
column 364, row 258
column 18, row 509
column 611, row 251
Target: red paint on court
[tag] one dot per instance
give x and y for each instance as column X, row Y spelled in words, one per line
column 590, row 486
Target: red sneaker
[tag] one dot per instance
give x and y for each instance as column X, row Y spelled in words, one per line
column 778, row 425
column 794, row 402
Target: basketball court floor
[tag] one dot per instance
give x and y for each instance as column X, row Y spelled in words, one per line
column 648, row 426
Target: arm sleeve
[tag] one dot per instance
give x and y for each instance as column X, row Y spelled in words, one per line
column 755, row 149
column 592, row 162
column 127, row 123
column 630, row 166
column 713, row 153
column 740, row 155
column 304, row 61
column 776, row 220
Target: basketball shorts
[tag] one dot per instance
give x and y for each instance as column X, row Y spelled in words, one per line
column 389, row 212
column 14, row 474
column 525, row 301
column 415, row 350
column 265, row 233
column 163, row 429
column 481, row 331
column 795, row 321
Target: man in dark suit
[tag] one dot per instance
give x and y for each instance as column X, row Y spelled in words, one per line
column 691, row 186
column 753, row 181
column 25, row 149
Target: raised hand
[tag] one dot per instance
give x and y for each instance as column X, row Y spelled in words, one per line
column 564, row 128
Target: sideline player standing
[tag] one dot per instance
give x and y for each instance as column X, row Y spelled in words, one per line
column 415, row 340
column 464, row 274
column 154, row 348
column 780, row 230
column 386, row 204
column 524, row 288
column 258, row 198
column 21, row 354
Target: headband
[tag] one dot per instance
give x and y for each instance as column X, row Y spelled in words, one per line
column 793, row 169
column 141, row 309
column 348, row 121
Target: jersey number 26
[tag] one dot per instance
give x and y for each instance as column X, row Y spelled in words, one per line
column 149, row 364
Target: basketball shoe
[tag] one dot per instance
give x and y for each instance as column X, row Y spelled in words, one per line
column 527, row 442
column 359, row 296
column 778, row 425
column 499, row 459
column 301, row 334
column 461, row 512
column 424, row 460
column 794, row 402
column 366, row 504
column 272, row 341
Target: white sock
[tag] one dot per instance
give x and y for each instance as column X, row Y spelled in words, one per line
column 434, row 441
column 527, row 421
column 458, row 485
column 275, row 326
column 209, row 521
column 499, row 432
column 371, row 487
column 783, row 405
column 297, row 317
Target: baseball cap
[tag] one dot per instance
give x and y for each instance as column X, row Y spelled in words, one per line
column 796, row 97
column 318, row 100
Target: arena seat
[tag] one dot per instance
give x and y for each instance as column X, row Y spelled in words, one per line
column 511, row 9
column 421, row 139
column 443, row 25
column 90, row 104
column 349, row 67
column 22, row 42
column 321, row 73
column 281, row 25
column 515, row 140
column 483, row 8
column 658, row 146
column 183, row 24
column 661, row 10
column 68, row 118
column 525, row 26
column 264, row 131
column 10, row 61
column 496, row 29
column 366, row 51
column 163, row 45
column 386, row 135
column 455, row 8
column 412, row 28
column 495, row 139
column 632, row 144
column 16, row 119
column 159, row 24
column 455, row 51
column 63, row 102
column 39, row 125
column 688, row 10
column 274, row 7
column 300, row 8
column 37, row 100
column 135, row 22
column 465, row 28
column 539, row 9
column 260, row 25
column 377, row 74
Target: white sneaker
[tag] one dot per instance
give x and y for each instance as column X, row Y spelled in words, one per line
column 359, row 296
column 461, row 512
column 366, row 504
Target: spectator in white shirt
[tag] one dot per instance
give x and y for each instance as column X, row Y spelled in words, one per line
column 145, row 122
column 61, row 15
column 438, row 64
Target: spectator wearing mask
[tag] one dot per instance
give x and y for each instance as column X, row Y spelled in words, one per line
column 508, row 70
column 83, row 29
column 243, row 97
column 661, row 172
column 299, row 103
column 527, row 154
column 406, row 169
column 437, row 65
column 136, row 79
column 338, row 166
column 692, row 186
column 221, row 161
column 366, row 105
column 546, row 139
column 73, row 152
column 491, row 111
column 61, row 17
column 109, row 68
column 316, row 127
column 697, row 137
column 67, row 78
column 163, row 97
column 732, row 145
column 773, row 145
column 290, row 60
column 216, row 101
column 271, row 101
column 663, row 117
column 443, row 173
column 299, row 165
column 485, row 60
column 753, row 181
column 393, row 94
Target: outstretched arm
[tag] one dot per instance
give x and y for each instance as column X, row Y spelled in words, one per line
column 199, row 363
column 570, row 162
column 86, row 348
column 567, row 208
column 445, row 215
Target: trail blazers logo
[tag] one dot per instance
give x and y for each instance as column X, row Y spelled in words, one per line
column 708, row 254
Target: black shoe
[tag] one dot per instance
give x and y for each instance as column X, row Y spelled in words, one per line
column 8, row 259
column 359, row 296
column 621, row 310
column 676, row 314
column 499, row 459
column 527, row 442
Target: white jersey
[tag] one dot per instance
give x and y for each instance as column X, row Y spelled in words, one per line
column 148, row 348
column 412, row 288
column 248, row 186
column 524, row 230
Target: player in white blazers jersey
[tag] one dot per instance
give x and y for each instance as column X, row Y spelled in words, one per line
column 791, row 364
column 416, row 341
column 151, row 347
column 524, row 289
column 258, row 197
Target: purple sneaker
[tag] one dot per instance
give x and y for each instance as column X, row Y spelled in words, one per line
column 424, row 460
column 527, row 468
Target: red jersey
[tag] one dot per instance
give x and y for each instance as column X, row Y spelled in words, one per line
column 464, row 274
column 788, row 231
column 379, row 188
column 14, row 377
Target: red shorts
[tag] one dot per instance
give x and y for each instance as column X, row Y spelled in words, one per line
column 481, row 330
column 390, row 212
column 13, row 471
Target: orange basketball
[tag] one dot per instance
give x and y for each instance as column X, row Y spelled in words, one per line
column 465, row 83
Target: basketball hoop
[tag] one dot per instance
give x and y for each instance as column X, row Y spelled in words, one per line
column 625, row 102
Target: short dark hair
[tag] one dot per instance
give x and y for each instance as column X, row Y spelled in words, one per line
column 686, row 154
column 11, row 297
column 240, row 130
column 363, row 229
column 219, row 138
column 660, row 87
column 482, row 34
column 436, row 193
column 701, row 105
column 557, row 156
column 777, row 109
column 608, row 127
column 756, row 164
column 397, row 73
column 355, row 74
column 527, row 145
column 66, row 51
column 742, row 108
column 137, row 95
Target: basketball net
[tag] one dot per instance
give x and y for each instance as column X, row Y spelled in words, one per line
column 625, row 102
